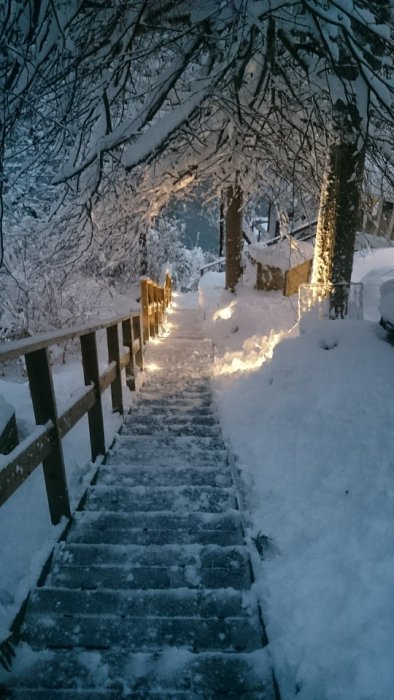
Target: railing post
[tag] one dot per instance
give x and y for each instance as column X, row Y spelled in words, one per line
column 92, row 376
column 162, row 304
column 114, row 356
column 168, row 288
column 151, row 309
column 138, row 333
column 156, row 314
column 44, row 405
column 127, row 339
column 145, row 309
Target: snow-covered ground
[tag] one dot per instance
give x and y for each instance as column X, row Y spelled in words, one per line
column 309, row 417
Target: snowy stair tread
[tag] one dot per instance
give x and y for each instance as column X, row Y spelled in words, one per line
column 146, row 675
column 149, row 596
column 212, row 499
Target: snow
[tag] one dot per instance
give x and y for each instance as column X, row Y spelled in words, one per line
column 386, row 306
column 6, row 413
column 285, row 254
column 309, row 419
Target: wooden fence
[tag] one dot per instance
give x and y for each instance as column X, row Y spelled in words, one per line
column 45, row 444
column 297, row 276
column 154, row 300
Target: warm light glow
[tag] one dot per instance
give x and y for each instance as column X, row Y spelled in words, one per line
column 224, row 313
column 256, row 351
column 170, row 326
column 152, row 367
column 170, row 310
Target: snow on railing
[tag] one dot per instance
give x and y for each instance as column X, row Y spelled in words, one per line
column 219, row 262
column 45, row 444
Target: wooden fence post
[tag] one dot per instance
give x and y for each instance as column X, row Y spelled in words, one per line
column 145, row 309
column 138, row 333
column 168, row 289
column 114, row 356
column 127, row 339
column 92, row 376
column 151, row 312
column 156, row 314
column 44, row 405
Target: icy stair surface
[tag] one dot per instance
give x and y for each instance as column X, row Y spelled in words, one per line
column 150, row 594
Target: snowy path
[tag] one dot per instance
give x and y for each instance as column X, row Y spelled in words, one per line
column 149, row 595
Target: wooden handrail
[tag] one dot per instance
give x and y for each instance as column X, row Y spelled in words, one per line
column 16, row 348
column 45, row 444
column 154, row 301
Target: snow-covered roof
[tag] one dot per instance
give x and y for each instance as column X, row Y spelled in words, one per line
column 285, row 254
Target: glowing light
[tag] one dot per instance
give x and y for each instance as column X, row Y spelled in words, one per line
column 224, row 313
column 152, row 367
column 170, row 310
column 256, row 350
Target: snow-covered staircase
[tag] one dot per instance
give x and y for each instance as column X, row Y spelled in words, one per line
column 149, row 595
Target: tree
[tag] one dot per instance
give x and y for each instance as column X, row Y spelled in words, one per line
column 233, row 235
column 160, row 93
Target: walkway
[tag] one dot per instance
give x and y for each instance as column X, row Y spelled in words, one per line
column 149, row 594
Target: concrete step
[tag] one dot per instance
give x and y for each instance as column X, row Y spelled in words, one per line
column 156, row 421
column 182, row 602
column 157, row 528
column 176, row 428
column 167, row 451
column 171, row 675
column 143, row 634
column 151, row 477
column 181, row 499
column 166, row 411
column 178, row 402
column 90, row 567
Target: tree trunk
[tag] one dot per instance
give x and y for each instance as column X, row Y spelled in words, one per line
column 339, row 214
column 339, row 217
column 221, row 226
column 233, row 236
column 143, row 253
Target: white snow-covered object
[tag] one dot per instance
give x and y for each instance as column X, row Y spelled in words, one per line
column 283, row 255
column 386, row 305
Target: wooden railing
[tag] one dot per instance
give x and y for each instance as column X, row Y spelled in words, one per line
column 44, row 445
column 154, row 299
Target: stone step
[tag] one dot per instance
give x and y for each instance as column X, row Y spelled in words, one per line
column 181, row 602
column 171, row 675
column 143, row 634
column 151, row 477
column 181, row 499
